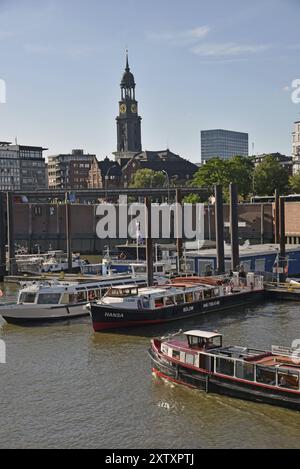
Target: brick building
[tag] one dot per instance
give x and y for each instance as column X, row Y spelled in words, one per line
column 69, row 171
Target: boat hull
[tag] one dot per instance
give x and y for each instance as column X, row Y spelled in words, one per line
column 231, row 387
column 105, row 317
column 35, row 314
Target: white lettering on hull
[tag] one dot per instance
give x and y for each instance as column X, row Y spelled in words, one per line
column 211, row 304
column 114, row 315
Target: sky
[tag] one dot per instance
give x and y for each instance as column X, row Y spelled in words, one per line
column 197, row 65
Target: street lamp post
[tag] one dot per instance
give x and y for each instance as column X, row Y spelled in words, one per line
column 168, row 179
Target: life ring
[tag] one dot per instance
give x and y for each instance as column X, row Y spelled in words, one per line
column 123, row 256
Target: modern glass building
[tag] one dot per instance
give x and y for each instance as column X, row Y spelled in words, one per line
column 223, row 143
column 22, row 167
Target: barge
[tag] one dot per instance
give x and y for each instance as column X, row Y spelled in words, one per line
column 186, row 297
column 199, row 360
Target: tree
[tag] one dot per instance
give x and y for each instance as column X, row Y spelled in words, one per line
column 192, row 199
column 270, row 175
column 148, row 178
column 294, row 183
column 238, row 169
column 215, row 171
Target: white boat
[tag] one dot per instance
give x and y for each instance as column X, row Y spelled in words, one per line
column 54, row 301
column 161, row 269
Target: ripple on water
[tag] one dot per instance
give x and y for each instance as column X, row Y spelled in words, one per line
column 64, row 386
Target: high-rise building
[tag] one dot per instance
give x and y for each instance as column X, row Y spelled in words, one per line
column 69, row 171
column 296, row 147
column 129, row 140
column 22, row 167
column 223, row 143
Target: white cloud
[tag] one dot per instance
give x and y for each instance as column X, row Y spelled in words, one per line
column 186, row 37
column 227, row 49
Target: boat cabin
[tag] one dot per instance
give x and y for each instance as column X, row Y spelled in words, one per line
column 204, row 339
column 68, row 293
column 205, row 351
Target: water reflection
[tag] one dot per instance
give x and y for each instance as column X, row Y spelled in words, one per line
column 66, row 386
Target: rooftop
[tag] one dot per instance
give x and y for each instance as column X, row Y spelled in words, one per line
column 203, row 334
column 252, row 250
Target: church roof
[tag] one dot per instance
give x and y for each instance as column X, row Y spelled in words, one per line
column 165, row 160
column 128, row 78
column 111, row 166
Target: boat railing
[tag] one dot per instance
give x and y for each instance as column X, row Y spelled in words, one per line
column 277, row 376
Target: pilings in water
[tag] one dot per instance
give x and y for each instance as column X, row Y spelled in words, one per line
column 262, row 223
column 282, row 253
column 13, row 269
column 2, row 238
column 234, row 226
column 282, row 226
column 219, row 222
column 68, row 233
column 179, row 242
column 277, row 218
column 149, row 242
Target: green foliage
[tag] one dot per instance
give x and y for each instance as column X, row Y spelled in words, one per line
column 238, row 169
column 294, row 182
column 192, row 199
column 148, row 178
column 270, row 175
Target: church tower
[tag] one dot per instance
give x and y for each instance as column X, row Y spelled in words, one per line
column 129, row 141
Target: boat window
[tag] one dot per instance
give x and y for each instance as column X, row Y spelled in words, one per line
column 48, row 298
column 244, row 370
column 92, row 295
column 140, row 269
column 225, row 366
column 145, row 302
column 266, row 375
column 169, row 301
column 176, row 354
column 189, row 297
column 189, row 359
column 68, row 298
column 81, row 296
column 206, row 362
column 198, row 295
column 27, row 298
column 159, row 302
column 98, row 294
column 288, row 380
column 193, row 340
column 179, row 299
column 207, row 293
column 122, row 292
column 160, row 268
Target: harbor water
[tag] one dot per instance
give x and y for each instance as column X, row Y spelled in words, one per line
column 63, row 386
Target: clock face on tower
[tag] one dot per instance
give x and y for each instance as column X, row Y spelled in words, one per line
column 123, row 108
column 134, row 108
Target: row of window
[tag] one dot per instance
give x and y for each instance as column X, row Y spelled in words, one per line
column 270, row 376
